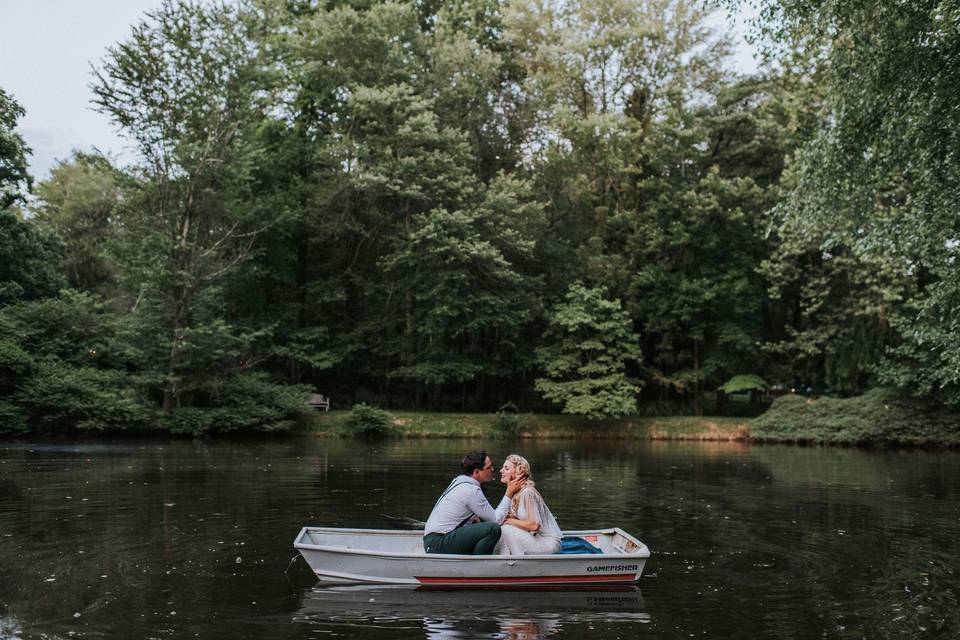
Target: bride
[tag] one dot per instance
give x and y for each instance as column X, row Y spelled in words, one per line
column 529, row 528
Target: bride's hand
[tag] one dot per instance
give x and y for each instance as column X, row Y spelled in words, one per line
column 530, row 526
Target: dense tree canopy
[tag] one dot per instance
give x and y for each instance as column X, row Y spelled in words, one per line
column 869, row 219
column 570, row 206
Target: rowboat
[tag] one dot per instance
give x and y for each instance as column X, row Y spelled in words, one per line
column 379, row 556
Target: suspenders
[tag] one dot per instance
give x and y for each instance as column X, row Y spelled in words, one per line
column 453, row 485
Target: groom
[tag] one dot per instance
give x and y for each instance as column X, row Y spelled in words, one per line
column 447, row 530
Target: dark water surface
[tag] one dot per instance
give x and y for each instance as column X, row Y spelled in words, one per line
column 180, row 539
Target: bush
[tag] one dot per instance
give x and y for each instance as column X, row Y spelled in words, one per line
column 72, row 327
column 508, row 420
column 13, row 420
column 253, row 401
column 188, row 421
column 880, row 416
column 244, row 402
column 367, row 420
column 510, row 423
column 60, row 395
column 15, row 364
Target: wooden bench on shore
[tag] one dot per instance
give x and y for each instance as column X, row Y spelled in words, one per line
column 317, row 401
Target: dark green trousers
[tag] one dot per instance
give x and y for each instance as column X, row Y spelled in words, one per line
column 469, row 540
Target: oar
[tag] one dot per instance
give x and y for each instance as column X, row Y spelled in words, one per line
column 407, row 523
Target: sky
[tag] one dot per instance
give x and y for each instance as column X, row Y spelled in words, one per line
column 46, row 52
column 46, row 49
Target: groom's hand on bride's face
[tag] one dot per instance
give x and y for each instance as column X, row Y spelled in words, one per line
column 514, row 486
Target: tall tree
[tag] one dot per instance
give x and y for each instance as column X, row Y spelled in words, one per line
column 30, row 260
column 712, row 175
column 77, row 201
column 470, row 301
column 600, row 75
column 185, row 88
column 637, row 162
column 590, row 344
column 880, row 181
column 14, row 179
column 406, row 156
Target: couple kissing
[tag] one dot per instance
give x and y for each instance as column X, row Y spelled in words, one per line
column 464, row 522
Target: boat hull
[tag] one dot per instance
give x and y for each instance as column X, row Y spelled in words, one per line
column 370, row 556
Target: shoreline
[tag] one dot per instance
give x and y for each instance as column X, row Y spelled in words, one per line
column 414, row 424
column 428, row 425
column 879, row 419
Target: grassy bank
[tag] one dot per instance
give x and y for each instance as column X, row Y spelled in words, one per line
column 880, row 417
column 877, row 418
column 413, row 424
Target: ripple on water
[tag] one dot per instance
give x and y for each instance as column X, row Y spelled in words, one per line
column 746, row 541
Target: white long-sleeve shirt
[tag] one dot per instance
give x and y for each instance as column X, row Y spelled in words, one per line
column 461, row 500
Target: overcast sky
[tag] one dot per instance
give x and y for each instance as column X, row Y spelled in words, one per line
column 46, row 50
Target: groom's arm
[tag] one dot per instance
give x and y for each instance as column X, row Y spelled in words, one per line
column 478, row 503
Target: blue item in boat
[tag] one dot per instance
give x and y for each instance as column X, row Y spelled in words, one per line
column 572, row 544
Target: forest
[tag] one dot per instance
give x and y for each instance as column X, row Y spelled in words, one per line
column 464, row 205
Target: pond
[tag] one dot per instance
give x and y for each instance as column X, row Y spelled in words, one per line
column 184, row 539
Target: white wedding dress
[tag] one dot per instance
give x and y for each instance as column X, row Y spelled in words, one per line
column 515, row 541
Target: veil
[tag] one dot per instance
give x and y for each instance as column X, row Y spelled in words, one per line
column 534, row 507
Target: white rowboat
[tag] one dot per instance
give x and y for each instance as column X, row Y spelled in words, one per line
column 378, row 556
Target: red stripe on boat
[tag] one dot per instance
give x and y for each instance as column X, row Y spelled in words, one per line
column 527, row 580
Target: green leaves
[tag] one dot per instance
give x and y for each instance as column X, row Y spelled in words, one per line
column 188, row 88
column 871, row 210
column 77, row 202
column 245, row 401
column 15, row 365
column 590, row 343
column 14, row 179
column 463, row 288
column 744, row 382
column 423, row 204
column 73, row 327
column 13, row 419
column 369, row 421
column 29, row 261
column 62, row 396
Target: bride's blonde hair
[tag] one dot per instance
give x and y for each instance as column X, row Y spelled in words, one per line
column 523, row 469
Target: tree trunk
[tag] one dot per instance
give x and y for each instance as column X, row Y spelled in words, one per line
column 721, row 403
column 301, row 285
column 410, row 356
column 171, row 393
column 698, row 385
column 171, row 396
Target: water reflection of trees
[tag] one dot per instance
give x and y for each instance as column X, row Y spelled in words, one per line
column 768, row 535
column 137, row 536
column 839, row 532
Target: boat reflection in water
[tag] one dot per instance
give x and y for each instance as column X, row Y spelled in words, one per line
column 521, row 614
